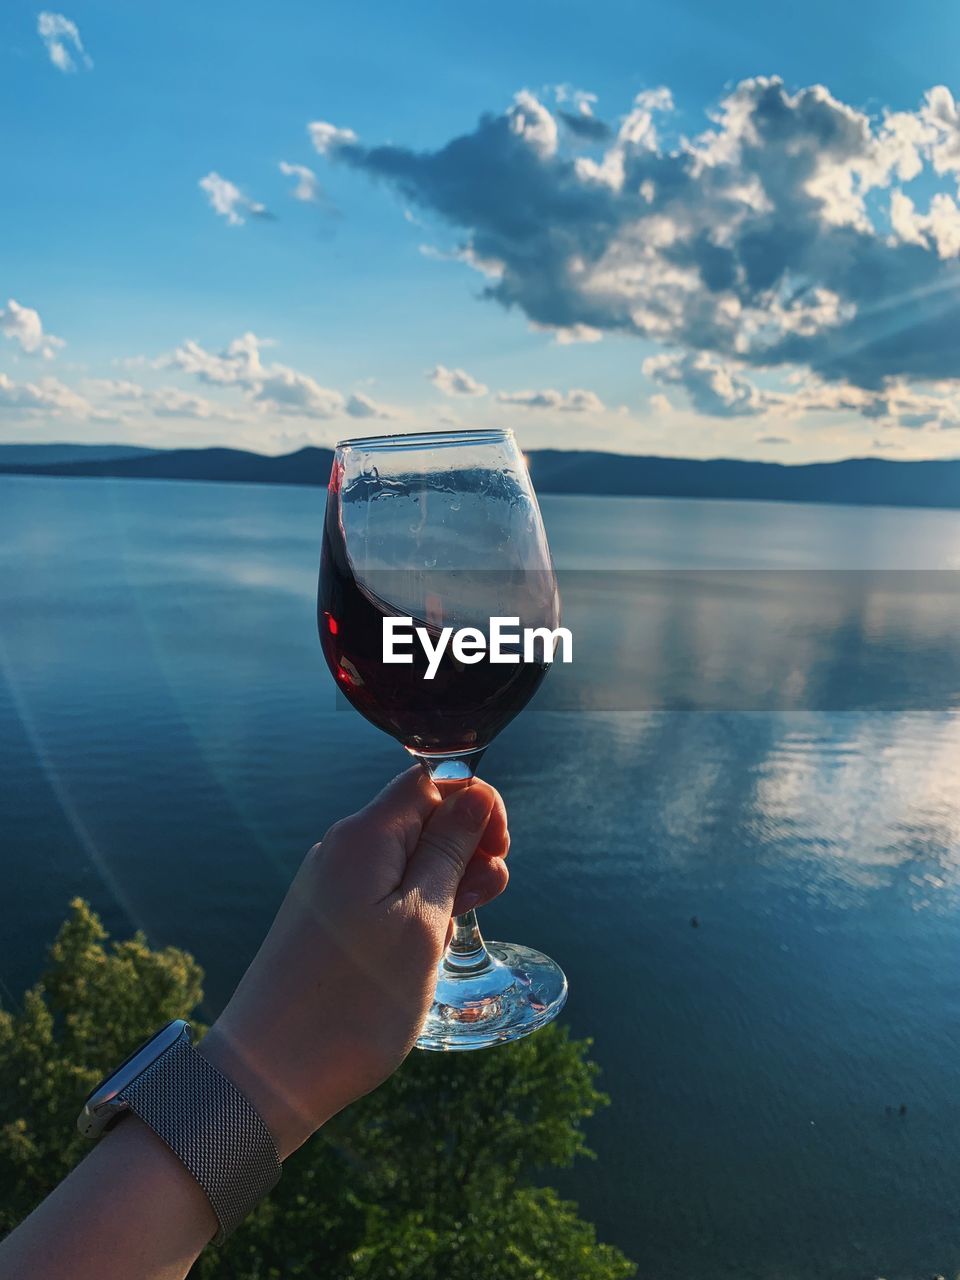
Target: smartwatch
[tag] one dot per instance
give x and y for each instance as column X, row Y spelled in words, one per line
column 202, row 1117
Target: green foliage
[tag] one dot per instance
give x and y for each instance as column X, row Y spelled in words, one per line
column 425, row 1178
column 529, row 1234
column 89, row 1010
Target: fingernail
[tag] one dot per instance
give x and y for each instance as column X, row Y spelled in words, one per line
column 472, row 807
column 468, row 902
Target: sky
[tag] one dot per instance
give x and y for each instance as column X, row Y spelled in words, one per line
column 691, row 230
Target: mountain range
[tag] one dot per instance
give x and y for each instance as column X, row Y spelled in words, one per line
column 869, row 481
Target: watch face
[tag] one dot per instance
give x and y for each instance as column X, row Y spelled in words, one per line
column 103, row 1106
column 131, row 1066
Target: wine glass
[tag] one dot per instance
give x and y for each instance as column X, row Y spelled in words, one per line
column 444, row 528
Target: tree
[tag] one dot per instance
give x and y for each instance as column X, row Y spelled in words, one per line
column 427, row 1177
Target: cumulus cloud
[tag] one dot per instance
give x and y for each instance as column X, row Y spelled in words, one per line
column 307, row 187
column 578, row 100
column 585, row 126
column 456, row 382
column 239, row 362
column 566, row 336
column 722, row 389
column 573, row 401
column 61, row 38
column 575, row 109
column 229, row 201
column 779, row 237
column 928, row 406
column 938, row 228
column 171, row 402
column 327, row 137
column 486, row 266
column 285, row 390
column 530, row 120
column 271, row 386
column 49, row 396
column 713, row 387
column 362, row 406
column 24, row 326
column 114, row 388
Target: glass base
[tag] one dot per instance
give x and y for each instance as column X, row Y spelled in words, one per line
column 518, row 991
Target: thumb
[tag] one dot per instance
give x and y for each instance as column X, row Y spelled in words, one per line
column 448, row 842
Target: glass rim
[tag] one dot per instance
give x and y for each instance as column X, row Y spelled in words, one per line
column 427, row 439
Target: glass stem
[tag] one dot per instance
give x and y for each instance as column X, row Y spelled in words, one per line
column 466, row 954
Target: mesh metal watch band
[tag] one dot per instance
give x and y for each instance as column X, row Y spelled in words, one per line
column 211, row 1127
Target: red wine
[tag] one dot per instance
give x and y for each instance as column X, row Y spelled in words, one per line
column 461, row 709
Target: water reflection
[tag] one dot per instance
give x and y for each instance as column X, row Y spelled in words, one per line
column 775, row 753
column 834, row 640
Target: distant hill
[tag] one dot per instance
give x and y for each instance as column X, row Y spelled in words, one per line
column 29, row 455
column 308, row 466
column 870, row 481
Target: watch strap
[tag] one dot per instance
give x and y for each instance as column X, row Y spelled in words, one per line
column 211, row 1127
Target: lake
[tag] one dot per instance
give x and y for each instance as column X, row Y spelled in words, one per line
column 760, row 730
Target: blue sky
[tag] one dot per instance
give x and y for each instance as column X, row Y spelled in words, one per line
column 778, row 282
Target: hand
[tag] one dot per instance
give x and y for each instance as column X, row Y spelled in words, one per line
column 336, row 996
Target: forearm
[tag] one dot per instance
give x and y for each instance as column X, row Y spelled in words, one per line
column 129, row 1211
column 329, row 1008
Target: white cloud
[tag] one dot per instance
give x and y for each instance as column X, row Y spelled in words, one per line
column 577, row 98
column 567, row 335
column 171, row 402
column 327, row 137
column 939, row 115
column 62, row 40
column 939, row 227
column 24, row 326
column 362, row 406
column 228, row 200
column 307, row 188
column 714, row 387
column 637, row 133
column 114, row 388
column 721, row 389
column 489, row 267
column 47, row 395
column 272, row 386
column 574, row 401
column 284, row 390
column 238, row 363
column 530, row 120
column 778, row 239
column 455, row 382
column 930, row 407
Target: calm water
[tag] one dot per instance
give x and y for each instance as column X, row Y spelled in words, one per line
column 170, row 745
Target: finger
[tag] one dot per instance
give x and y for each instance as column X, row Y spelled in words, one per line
column 483, row 880
column 449, row 840
column 496, row 839
column 405, row 804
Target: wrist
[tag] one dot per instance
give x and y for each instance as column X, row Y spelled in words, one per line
column 135, row 1147
column 288, row 1127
